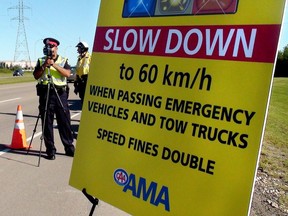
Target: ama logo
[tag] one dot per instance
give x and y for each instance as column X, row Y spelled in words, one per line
column 142, row 189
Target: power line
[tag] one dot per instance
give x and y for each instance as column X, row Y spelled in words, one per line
column 21, row 47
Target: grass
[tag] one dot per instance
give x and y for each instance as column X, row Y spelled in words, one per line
column 6, row 77
column 274, row 154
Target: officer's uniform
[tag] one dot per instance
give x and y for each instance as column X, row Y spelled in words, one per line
column 82, row 70
column 54, row 106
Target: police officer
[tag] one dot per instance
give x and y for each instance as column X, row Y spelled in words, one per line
column 52, row 70
column 82, row 69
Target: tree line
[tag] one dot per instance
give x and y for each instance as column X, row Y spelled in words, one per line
column 281, row 69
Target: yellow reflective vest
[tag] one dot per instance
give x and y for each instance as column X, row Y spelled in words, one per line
column 83, row 64
column 56, row 77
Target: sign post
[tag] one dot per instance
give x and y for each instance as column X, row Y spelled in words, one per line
column 175, row 105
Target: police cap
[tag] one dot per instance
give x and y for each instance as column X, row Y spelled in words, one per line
column 51, row 41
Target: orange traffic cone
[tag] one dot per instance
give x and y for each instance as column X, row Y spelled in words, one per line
column 19, row 134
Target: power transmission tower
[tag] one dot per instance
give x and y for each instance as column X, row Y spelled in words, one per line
column 21, row 48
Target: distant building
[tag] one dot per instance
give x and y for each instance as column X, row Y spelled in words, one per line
column 22, row 64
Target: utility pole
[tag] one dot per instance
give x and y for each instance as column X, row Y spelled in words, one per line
column 21, row 48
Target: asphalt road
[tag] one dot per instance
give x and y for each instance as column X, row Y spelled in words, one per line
column 26, row 188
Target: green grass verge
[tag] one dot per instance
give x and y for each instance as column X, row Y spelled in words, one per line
column 6, row 77
column 274, row 154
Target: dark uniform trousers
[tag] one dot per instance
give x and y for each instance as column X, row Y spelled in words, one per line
column 62, row 117
column 82, row 82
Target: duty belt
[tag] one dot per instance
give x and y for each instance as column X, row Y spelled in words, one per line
column 54, row 86
column 58, row 87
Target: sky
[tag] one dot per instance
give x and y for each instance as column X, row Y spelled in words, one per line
column 66, row 20
column 284, row 33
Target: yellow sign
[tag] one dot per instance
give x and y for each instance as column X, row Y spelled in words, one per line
column 175, row 105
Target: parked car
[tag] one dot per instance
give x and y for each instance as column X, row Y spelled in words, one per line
column 72, row 76
column 18, row 72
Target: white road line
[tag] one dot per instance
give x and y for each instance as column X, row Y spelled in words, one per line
column 73, row 116
column 9, row 100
